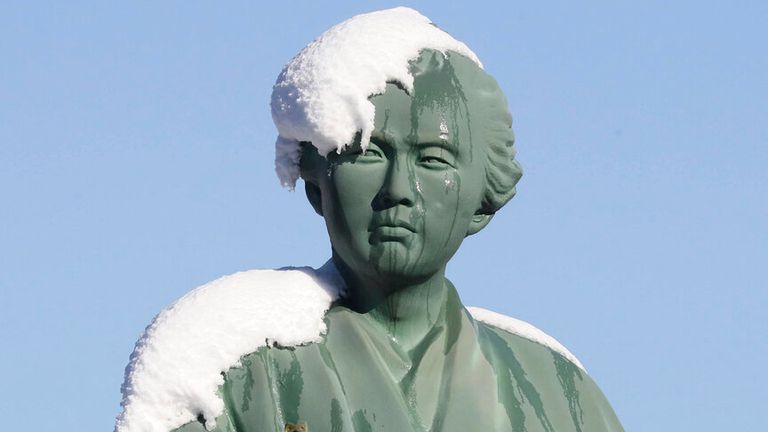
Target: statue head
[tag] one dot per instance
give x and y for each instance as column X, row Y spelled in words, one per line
column 439, row 164
column 436, row 163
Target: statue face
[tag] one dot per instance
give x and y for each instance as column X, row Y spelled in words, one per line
column 402, row 207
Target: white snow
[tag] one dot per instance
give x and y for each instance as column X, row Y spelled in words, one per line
column 175, row 369
column 524, row 329
column 321, row 96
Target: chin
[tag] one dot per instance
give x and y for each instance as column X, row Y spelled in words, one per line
column 396, row 261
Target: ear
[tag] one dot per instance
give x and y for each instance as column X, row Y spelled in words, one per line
column 478, row 222
column 313, row 196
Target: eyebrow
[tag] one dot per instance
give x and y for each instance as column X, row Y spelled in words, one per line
column 443, row 144
column 378, row 137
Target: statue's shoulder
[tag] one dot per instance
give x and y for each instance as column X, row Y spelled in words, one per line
column 523, row 329
column 177, row 364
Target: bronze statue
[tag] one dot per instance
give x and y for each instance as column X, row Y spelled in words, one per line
column 400, row 352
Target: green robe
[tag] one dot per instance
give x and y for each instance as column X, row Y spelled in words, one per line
column 464, row 376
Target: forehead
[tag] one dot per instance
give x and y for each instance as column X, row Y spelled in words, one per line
column 423, row 117
column 453, row 100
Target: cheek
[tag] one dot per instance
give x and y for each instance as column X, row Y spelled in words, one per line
column 449, row 191
column 347, row 196
column 357, row 180
column 448, row 204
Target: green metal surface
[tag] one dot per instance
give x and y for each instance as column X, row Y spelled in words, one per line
column 401, row 353
column 463, row 376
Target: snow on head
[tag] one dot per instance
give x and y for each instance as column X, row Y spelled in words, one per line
column 321, row 96
column 176, row 367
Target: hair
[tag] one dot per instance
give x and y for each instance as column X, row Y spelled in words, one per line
column 502, row 170
column 458, row 83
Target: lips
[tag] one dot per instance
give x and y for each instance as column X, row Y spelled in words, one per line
column 387, row 228
column 392, row 225
column 386, row 232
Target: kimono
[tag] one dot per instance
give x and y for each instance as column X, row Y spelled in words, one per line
column 473, row 371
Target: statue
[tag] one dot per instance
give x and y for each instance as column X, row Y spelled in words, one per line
column 378, row 338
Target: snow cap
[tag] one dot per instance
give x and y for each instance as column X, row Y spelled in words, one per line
column 321, row 96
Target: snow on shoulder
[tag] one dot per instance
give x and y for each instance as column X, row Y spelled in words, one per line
column 206, row 333
column 523, row 329
column 321, row 96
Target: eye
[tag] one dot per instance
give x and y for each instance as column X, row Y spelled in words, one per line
column 436, row 158
column 370, row 152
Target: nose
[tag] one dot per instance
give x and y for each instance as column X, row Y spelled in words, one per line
column 399, row 187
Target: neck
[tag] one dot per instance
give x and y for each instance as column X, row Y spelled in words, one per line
column 408, row 309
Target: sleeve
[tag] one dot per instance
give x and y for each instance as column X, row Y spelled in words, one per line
column 251, row 402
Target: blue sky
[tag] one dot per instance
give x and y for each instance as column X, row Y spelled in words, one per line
column 136, row 163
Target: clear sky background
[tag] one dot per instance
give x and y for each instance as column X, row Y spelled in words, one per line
column 136, row 150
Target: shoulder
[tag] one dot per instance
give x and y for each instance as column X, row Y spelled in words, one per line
column 524, row 330
column 207, row 331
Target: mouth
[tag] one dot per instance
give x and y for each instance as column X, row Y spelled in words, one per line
column 393, row 225
column 392, row 230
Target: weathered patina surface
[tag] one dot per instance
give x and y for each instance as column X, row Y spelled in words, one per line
column 401, row 352
column 464, row 376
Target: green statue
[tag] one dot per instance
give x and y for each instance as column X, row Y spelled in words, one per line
column 396, row 350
